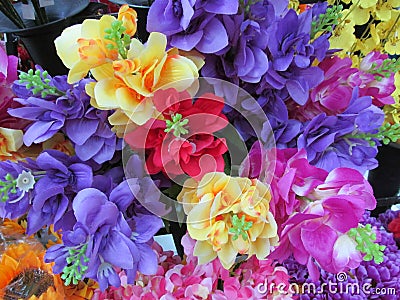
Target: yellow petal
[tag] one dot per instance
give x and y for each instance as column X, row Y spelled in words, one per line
column 204, row 251
column 241, row 246
column 102, row 72
column 178, row 72
column 67, row 46
column 104, row 92
column 359, row 15
column 13, row 140
column 78, row 71
column 368, row 3
column 137, row 108
column 384, row 14
column 227, row 255
column 155, row 48
column 95, row 29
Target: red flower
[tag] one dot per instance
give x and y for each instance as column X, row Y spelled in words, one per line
column 394, row 227
column 181, row 140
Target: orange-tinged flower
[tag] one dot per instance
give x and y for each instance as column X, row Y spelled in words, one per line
column 126, row 79
column 10, row 141
column 83, row 47
column 228, row 216
column 11, row 228
column 81, row 291
column 128, row 16
column 24, row 275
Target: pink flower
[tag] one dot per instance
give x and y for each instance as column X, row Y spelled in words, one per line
column 8, row 74
column 293, row 177
column 376, row 85
column 333, row 95
column 181, row 140
column 318, row 232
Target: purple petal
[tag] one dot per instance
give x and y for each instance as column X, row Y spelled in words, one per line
column 214, row 37
column 79, row 131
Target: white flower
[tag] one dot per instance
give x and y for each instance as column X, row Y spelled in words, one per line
column 25, row 181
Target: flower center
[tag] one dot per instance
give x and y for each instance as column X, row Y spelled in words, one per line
column 176, row 125
column 32, row 282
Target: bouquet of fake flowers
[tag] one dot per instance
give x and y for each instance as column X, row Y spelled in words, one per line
column 241, row 120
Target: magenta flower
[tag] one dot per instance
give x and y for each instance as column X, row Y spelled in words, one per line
column 378, row 85
column 318, row 233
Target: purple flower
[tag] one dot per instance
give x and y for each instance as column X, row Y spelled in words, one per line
column 64, row 171
column 223, row 7
column 319, row 134
column 48, row 207
column 12, row 205
column 106, row 239
column 245, row 58
column 206, row 33
column 92, row 136
column 172, row 16
column 47, row 119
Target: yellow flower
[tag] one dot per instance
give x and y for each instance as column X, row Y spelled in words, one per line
column 385, row 9
column 228, row 216
column 129, row 84
column 128, row 17
column 368, row 45
column 343, row 36
column 359, row 15
column 10, row 141
column 126, row 79
column 83, row 47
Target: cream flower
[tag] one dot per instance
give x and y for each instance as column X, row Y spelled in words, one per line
column 10, row 141
column 228, row 216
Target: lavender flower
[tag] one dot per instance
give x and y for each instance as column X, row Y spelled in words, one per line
column 67, row 108
column 14, row 202
column 192, row 24
column 104, row 240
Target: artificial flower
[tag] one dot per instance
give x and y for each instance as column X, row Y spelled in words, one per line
column 228, row 216
column 125, row 78
column 191, row 24
column 394, row 227
column 105, row 240
column 343, row 35
column 23, row 274
column 318, row 229
column 181, row 139
column 10, row 141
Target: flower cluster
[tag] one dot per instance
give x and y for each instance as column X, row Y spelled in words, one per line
column 201, row 281
column 311, row 208
column 281, row 58
column 125, row 78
